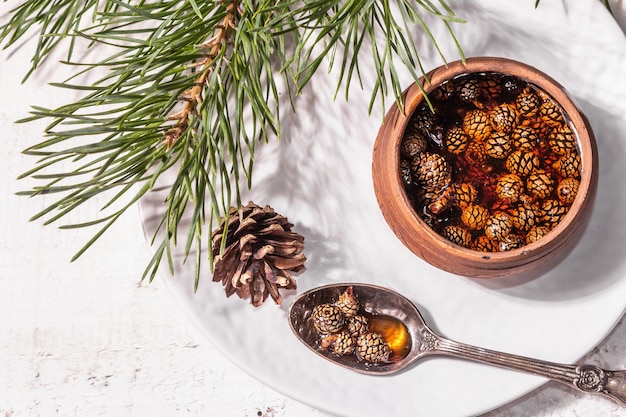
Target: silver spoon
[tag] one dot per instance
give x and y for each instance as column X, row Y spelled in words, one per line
column 376, row 300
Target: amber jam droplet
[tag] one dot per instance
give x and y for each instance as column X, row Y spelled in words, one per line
column 395, row 334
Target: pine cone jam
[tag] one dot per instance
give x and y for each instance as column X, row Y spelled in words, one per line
column 499, row 162
column 345, row 329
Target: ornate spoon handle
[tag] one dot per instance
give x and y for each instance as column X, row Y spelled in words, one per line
column 588, row 378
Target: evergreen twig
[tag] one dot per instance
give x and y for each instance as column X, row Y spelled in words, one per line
column 194, row 86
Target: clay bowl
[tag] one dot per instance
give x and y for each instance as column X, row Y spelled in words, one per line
column 400, row 213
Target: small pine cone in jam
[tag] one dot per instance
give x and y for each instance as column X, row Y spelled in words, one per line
column 512, row 85
column 541, row 128
column 423, row 120
column 509, row 188
column 474, row 217
column 345, row 344
column 535, row 233
column 527, row 102
column 444, row 91
column 498, row 145
column 490, row 87
column 469, row 92
column 553, row 211
column 525, row 216
column 457, row 234
column 562, row 140
column 348, row 304
column 551, row 113
column 498, row 226
column 510, row 242
column 484, row 244
column 540, row 184
column 327, row 318
column 464, row 194
column 568, row 165
column 357, row 325
column 475, row 153
column 476, row 124
column 567, row 189
column 372, row 348
column 524, row 138
column 413, row 144
column 456, row 140
column 503, row 117
column 442, row 200
column 522, row 163
column 432, row 170
column 341, row 343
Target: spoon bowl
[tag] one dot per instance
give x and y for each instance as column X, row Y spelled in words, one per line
column 375, row 300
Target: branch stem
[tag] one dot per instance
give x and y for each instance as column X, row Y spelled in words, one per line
column 192, row 97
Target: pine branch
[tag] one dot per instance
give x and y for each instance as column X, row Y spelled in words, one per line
column 194, row 86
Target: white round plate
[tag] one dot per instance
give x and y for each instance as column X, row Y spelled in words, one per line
column 319, row 176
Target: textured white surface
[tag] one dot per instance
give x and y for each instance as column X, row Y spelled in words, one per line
column 87, row 339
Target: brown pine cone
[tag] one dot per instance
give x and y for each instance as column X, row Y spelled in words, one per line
column 372, row 347
column 327, row 318
column 484, row 244
column 503, row 118
column 522, row 163
column 553, row 212
column 413, row 144
column 474, row 216
column 535, row 233
column 527, row 102
column 509, row 188
column 456, row 140
column 357, row 325
column 464, row 194
column 490, row 86
column 348, row 304
column 476, row 124
column 260, row 253
column 457, row 234
column 568, row 165
column 551, row 113
column 525, row 138
column 498, row 145
column 510, row 242
column 432, row 171
column 525, row 216
column 469, row 92
column 540, row 183
column 341, row 343
column 567, row 189
column 498, row 226
column 444, row 91
column 562, row 140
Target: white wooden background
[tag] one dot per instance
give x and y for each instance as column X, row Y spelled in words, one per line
column 89, row 339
